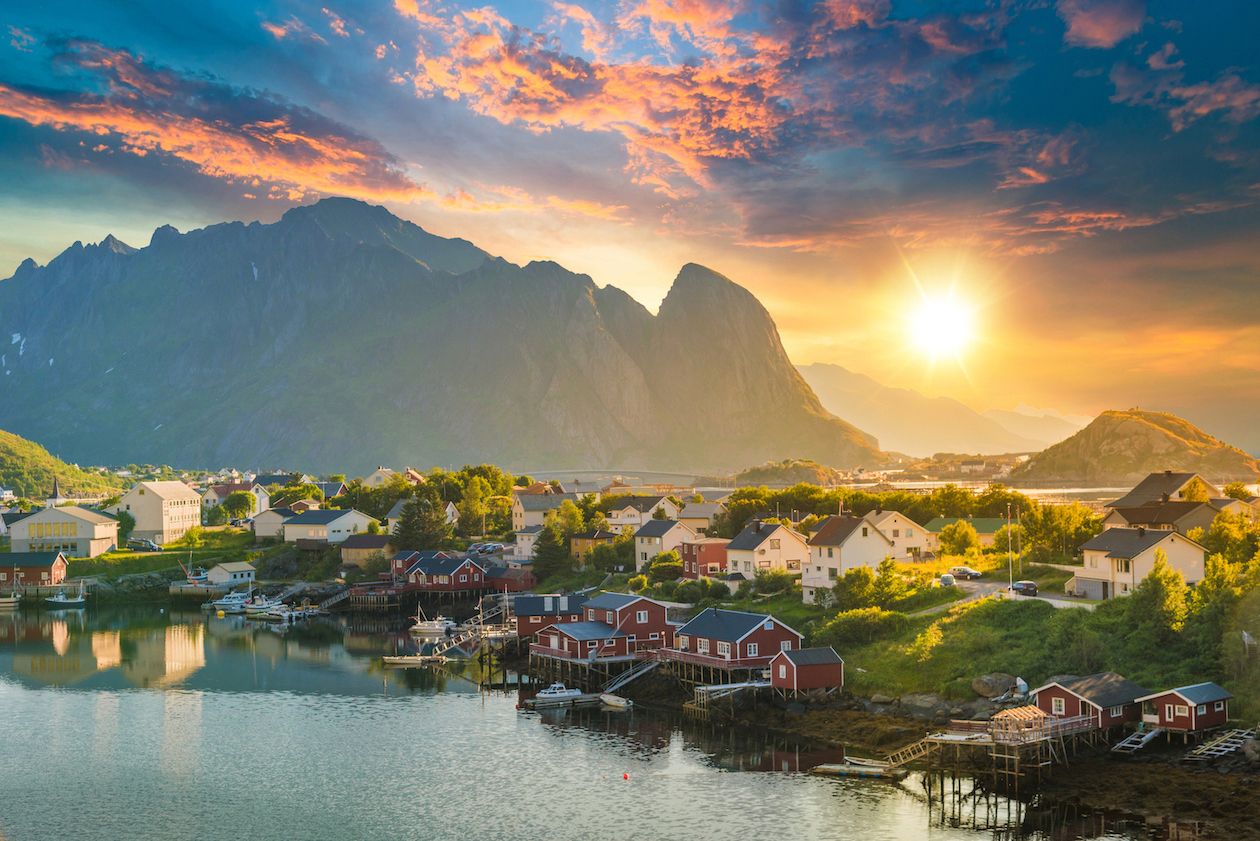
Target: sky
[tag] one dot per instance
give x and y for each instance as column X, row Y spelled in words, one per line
column 1059, row 195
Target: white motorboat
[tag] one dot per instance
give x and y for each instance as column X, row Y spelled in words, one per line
column 557, row 692
column 615, row 701
column 435, row 627
column 63, row 602
column 406, row 661
column 11, row 602
column 233, row 602
column 259, row 605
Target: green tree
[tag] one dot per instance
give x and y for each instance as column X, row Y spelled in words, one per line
column 659, row 514
column 422, row 524
column 473, row 508
column 1233, row 535
column 857, row 627
column 1009, row 539
column 192, row 538
column 958, row 537
column 374, row 527
column 889, row 586
column 855, row 589
column 239, row 504
column 126, row 525
column 216, row 516
column 1237, row 490
column 769, row 581
column 952, row 501
column 1196, row 491
column 551, row 554
column 667, row 566
column 1157, row 607
column 567, row 518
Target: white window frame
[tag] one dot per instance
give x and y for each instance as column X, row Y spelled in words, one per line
column 1219, row 706
column 724, row 649
column 1116, row 712
column 752, row 649
column 702, row 645
column 1183, row 710
column 1201, row 709
column 1058, row 706
column 785, row 645
column 641, row 617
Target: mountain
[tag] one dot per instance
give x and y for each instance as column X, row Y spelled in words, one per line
column 909, row 422
column 341, row 337
column 1122, row 447
column 1042, row 427
column 28, row 470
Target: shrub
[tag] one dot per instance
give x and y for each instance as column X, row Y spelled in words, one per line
column 860, row 626
column 770, row 581
column 638, row 583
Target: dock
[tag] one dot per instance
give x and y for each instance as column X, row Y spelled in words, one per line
column 589, row 699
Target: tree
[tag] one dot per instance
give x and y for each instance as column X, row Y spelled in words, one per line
column 957, row 537
column 551, row 554
column 1237, row 490
column 567, row 518
column 597, row 521
column 768, row 581
column 1009, row 539
column 952, row 501
column 374, row 527
column 889, row 586
column 422, row 524
column 239, row 504
column 860, row 626
column 1158, row 605
column 1196, row 490
column 667, row 566
column 192, row 538
column 855, row 589
column 473, row 508
column 659, row 514
column 216, row 516
column 126, row 525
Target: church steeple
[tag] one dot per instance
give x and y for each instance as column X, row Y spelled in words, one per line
column 56, row 498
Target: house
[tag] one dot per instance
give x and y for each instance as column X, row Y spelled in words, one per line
column 986, row 529
column 1178, row 516
column 614, row 625
column 530, row 509
column 972, row 465
column 657, row 536
column 10, row 518
column 732, row 639
column 525, row 540
column 1117, row 560
column 413, row 476
column 703, row 557
column 841, row 543
column 1167, row 487
column 330, row 525
column 378, row 477
column 447, row 574
column 231, row 574
column 763, row 546
column 627, row 513
column 331, row 490
column 1110, row 698
column 580, row 545
column 698, row 516
column 163, row 511
column 1187, row 709
column 269, row 480
column 644, row 619
column 77, row 532
column 590, row 641
column 404, row 560
column 394, row 516
column 7, row 495
column 452, row 513
column 815, row 672
column 32, row 569
column 510, row 579
column 216, row 494
column 908, row 538
column 270, row 523
column 537, row 613
column 301, row 506
column 359, row 548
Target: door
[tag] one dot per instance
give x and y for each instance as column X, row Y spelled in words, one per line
column 1106, row 590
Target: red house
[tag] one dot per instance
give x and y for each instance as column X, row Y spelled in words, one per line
column 1187, row 709
column 407, row 558
column 807, row 671
column 447, row 574
column 642, row 619
column 538, row 613
column 703, row 557
column 1110, row 698
column 32, row 569
column 584, row 641
column 509, row 579
column 732, row 639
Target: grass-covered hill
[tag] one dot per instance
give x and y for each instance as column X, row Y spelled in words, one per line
column 28, row 470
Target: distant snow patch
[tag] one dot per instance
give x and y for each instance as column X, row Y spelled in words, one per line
column 50, row 361
column 110, row 368
column 22, row 348
column 17, row 337
column 156, row 428
column 255, row 268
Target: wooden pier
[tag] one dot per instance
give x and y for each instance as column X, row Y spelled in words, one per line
column 587, row 699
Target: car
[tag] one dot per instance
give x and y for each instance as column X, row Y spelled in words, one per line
column 140, row 544
column 1025, row 588
column 964, row 572
column 947, row 580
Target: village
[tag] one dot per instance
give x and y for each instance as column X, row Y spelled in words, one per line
column 651, row 595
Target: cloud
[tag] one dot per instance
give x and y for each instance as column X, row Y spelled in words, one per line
column 1236, row 100
column 1100, row 23
column 20, row 39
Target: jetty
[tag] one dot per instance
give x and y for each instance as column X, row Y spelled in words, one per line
column 587, row 699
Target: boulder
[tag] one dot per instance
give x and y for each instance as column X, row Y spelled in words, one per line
column 926, row 706
column 993, row 684
column 1251, row 751
column 877, row 698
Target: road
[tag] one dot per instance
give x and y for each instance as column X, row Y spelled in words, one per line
column 987, row 587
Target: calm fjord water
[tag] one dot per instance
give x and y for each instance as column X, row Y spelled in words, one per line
column 140, row 725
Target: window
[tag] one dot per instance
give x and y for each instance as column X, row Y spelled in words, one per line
column 463, row 579
column 654, row 635
column 590, row 643
column 1058, row 706
column 752, row 649
column 1168, row 711
column 831, row 553
column 1219, row 706
column 782, row 671
column 1201, row 709
column 641, row 617
column 768, row 625
column 702, row 646
column 786, row 645
column 896, row 532
column 608, row 616
column 724, row 649
column 909, row 532
column 1115, row 712
column 682, row 643
column 865, row 531
column 1123, row 565
column 774, row 544
column 831, row 573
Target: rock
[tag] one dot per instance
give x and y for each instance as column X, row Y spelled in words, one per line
column 926, row 706
column 1251, row 751
column 877, row 698
column 795, row 708
column 993, row 684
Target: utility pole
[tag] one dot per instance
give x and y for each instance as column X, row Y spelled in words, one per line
column 1010, row 560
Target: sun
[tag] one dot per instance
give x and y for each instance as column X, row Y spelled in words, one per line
column 942, row 327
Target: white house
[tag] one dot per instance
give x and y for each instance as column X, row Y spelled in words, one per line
column 163, row 511
column 378, row 477
column 530, row 509
column 270, row 523
column 231, row 574
column 698, row 516
column 626, row 514
column 332, row 525
column 842, row 543
column 657, row 536
column 908, row 538
column 763, row 546
column 394, row 517
column 526, row 538
column 216, row 494
column 1119, row 559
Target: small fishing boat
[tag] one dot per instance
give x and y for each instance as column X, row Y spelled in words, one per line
column 853, row 766
column 407, row 661
column 259, row 605
column 194, row 575
column 233, row 602
column 435, row 627
column 63, row 602
column 557, row 692
column 11, row 602
column 615, row 701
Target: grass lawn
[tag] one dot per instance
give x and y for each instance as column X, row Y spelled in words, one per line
column 217, row 546
column 786, row 607
column 580, row 579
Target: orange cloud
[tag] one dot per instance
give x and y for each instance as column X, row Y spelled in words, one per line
column 1101, row 23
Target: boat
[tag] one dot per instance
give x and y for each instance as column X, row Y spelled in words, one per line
column 405, row 661
column 260, row 604
column 11, row 602
column 63, row 602
column 557, row 692
column 854, row 766
column 435, row 627
column 615, row 701
column 194, row 575
column 233, row 602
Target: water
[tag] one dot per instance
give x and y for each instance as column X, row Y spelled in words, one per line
column 142, row 725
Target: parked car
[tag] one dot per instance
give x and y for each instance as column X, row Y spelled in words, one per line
column 964, row 572
column 947, row 580
column 140, row 544
column 1025, row 588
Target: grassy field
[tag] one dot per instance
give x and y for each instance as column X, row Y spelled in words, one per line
column 217, row 546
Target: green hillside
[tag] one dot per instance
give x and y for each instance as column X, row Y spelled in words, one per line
column 28, row 469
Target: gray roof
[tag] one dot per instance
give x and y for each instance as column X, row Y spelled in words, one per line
column 1128, row 543
column 27, row 559
column 589, row 630
column 655, row 528
column 544, row 502
column 824, row 656
column 331, row 489
column 531, row 530
column 11, row 517
column 728, row 625
column 642, row 504
column 365, row 541
column 266, row 479
column 702, row 509
column 1152, row 489
column 1197, row 693
column 395, row 510
column 284, row 513
column 752, row 536
column 1161, row 513
column 318, row 516
column 612, row 601
column 532, row 605
column 1105, row 689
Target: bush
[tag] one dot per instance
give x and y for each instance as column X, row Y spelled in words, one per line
column 771, row 581
column 638, row 583
column 860, row 626
column 667, row 589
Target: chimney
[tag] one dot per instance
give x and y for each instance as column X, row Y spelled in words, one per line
column 879, row 508
column 1165, row 497
column 1167, row 472
column 1141, row 531
column 757, row 526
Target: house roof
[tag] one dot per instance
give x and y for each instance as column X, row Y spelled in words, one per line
column 235, row 566
column 284, row 513
column 11, row 517
column 440, row 564
column 642, row 504
column 1161, row 513
column 28, row 559
column 537, row 605
column 728, row 625
column 75, row 511
column 612, row 601
column 706, row 510
column 331, row 489
column 395, row 510
column 365, row 541
column 1152, row 489
column 656, row 528
column 1195, row 693
column 754, row 534
column 517, row 573
column 824, row 656
column 543, row 502
column 321, row 516
column 982, row 525
column 1129, row 543
column 597, row 534
column 588, row 630
column 167, row 490
column 838, row 528
column 225, row 488
column 266, row 479
column 1104, row 689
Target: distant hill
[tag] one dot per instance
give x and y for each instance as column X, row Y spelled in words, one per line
column 28, row 469
column 1046, row 429
column 788, row 472
column 342, row 337
column 1122, row 447
column 909, row 422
